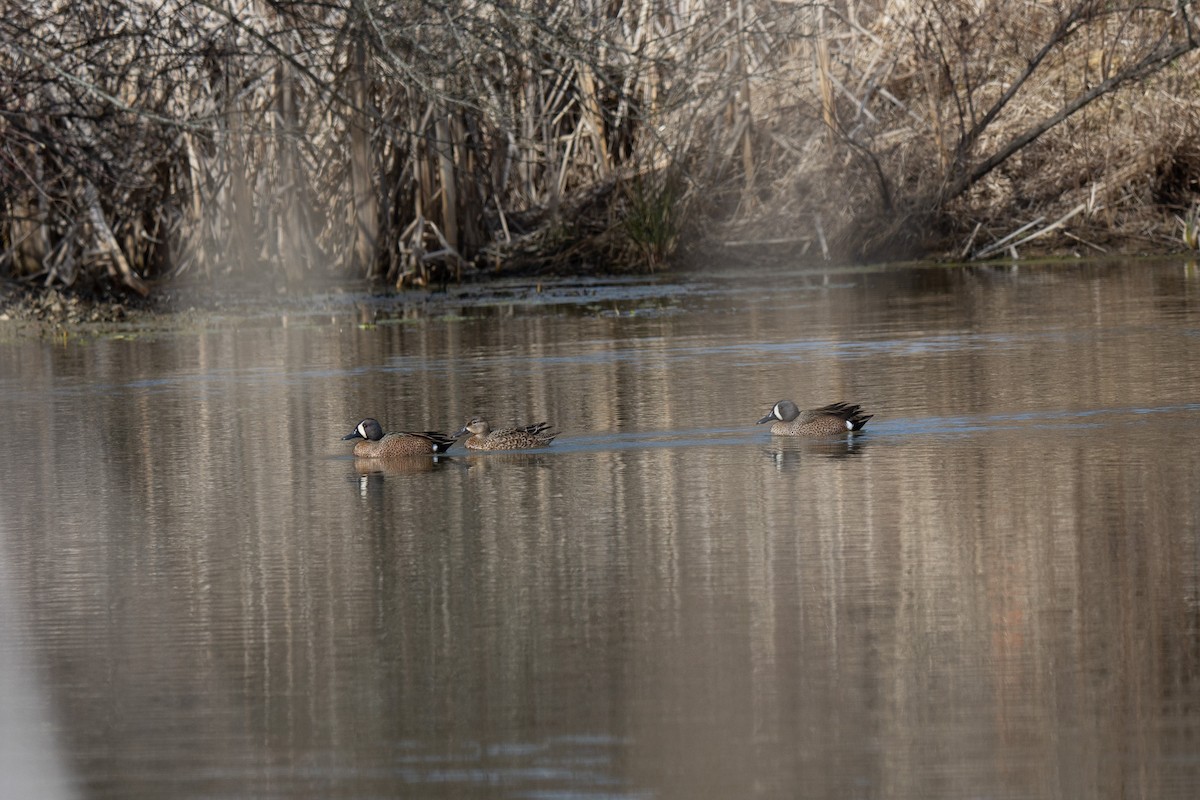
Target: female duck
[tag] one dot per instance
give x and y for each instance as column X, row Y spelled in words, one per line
column 377, row 444
column 826, row 421
column 525, row 438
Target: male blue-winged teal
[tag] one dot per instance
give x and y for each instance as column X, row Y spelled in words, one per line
column 826, row 421
column 377, row 444
column 524, row 438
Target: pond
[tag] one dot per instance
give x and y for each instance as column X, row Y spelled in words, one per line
column 992, row 591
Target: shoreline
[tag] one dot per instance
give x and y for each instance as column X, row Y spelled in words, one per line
column 37, row 311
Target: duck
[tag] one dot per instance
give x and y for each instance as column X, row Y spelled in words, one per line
column 377, row 444
column 830, row 420
column 522, row 438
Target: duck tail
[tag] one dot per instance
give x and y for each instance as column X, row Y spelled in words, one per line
column 439, row 441
column 857, row 421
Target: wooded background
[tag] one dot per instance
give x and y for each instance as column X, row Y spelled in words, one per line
column 407, row 141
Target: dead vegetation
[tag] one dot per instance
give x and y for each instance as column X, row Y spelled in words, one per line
column 407, row 142
column 966, row 129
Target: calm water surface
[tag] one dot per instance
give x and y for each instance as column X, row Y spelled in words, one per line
column 994, row 592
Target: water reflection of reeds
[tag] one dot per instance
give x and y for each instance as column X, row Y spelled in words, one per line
column 1006, row 602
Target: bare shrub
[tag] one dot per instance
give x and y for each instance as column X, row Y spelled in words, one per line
column 944, row 119
column 406, row 140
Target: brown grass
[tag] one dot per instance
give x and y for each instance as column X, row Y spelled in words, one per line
column 923, row 105
column 381, row 140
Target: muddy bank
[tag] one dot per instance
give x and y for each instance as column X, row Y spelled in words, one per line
column 28, row 311
column 38, row 311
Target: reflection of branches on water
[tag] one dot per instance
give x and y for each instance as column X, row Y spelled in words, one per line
column 495, row 460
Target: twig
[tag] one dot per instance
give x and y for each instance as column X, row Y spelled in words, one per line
column 1037, row 234
column 967, row 247
column 1092, row 245
column 108, row 243
column 996, row 247
column 760, row 242
column 821, row 237
column 1053, row 226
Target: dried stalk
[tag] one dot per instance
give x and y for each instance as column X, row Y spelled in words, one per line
column 284, row 139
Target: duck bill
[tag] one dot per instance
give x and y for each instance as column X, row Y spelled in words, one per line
column 354, row 434
column 767, row 418
column 459, row 433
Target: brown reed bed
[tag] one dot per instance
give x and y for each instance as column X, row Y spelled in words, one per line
column 411, row 143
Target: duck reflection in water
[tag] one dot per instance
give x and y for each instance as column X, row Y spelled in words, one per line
column 480, row 461
column 791, row 455
column 397, row 465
